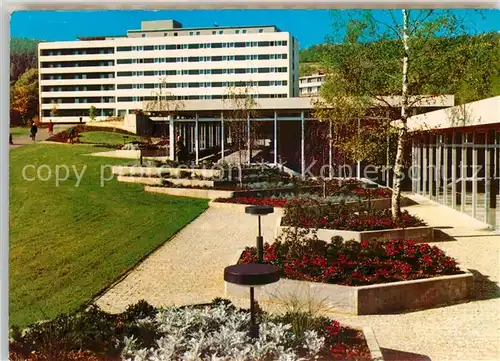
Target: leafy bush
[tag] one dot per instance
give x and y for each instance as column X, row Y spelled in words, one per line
column 329, row 215
column 218, row 331
column 352, row 263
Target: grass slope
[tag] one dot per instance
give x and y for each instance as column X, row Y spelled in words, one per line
column 103, row 137
column 68, row 243
column 16, row 131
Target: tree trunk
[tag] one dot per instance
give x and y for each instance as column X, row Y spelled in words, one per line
column 330, row 152
column 398, row 166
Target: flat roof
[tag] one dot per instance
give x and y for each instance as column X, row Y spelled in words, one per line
column 104, row 37
column 478, row 113
column 312, row 76
column 207, row 28
column 306, row 103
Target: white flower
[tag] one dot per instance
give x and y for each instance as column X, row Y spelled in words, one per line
column 217, row 333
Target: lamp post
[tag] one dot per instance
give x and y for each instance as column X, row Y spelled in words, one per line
column 259, row 211
column 252, row 274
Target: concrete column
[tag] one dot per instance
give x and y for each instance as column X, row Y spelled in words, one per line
column 387, row 162
column 438, row 172
column 249, row 141
column 302, row 145
column 419, row 167
column 432, row 167
column 330, row 151
column 425, row 166
column 445, row 168
column 413, row 166
column 171, row 134
column 474, row 175
column 358, row 170
column 202, row 136
column 222, row 135
column 463, row 173
column 216, row 135
column 491, row 184
column 275, row 141
column 454, row 171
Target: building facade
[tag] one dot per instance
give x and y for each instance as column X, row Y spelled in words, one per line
column 456, row 158
column 163, row 61
column 309, row 85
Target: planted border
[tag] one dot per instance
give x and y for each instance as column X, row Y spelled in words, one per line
column 422, row 234
column 381, row 298
column 190, row 192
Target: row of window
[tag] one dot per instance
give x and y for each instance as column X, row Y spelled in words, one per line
column 97, row 100
column 64, row 76
column 311, row 80
column 76, row 88
column 202, row 71
column 78, row 100
column 86, row 51
column 85, row 63
column 214, row 32
column 193, row 97
column 219, row 84
column 310, row 89
column 242, row 44
column 195, row 59
column 76, row 64
column 76, row 113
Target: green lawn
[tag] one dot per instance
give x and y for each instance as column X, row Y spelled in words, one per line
column 19, row 131
column 68, row 243
column 103, row 137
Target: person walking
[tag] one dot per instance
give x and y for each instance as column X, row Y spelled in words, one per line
column 33, row 131
column 72, row 135
column 11, row 142
column 180, row 150
column 50, row 128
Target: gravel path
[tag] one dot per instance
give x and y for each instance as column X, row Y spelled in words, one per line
column 189, row 269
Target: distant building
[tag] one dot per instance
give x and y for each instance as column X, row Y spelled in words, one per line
column 309, row 85
column 117, row 74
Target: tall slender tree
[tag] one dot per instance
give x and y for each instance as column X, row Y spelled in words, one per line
column 396, row 52
column 239, row 108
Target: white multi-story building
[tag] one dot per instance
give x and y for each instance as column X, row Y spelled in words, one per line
column 118, row 74
column 309, row 85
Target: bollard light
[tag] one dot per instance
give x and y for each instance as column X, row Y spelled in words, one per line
column 259, row 211
column 252, row 274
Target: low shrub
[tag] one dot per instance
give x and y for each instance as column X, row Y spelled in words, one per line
column 351, row 263
column 330, row 215
column 218, row 331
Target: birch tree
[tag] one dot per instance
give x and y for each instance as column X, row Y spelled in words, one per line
column 383, row 53
column 239, row 108
column 163, row 101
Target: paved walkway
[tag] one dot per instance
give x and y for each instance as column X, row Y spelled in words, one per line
column 42, row 134
column 189, row 269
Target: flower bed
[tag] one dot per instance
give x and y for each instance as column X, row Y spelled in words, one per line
column 346, row 186
column 352, row 263
column 327, row 215
column 213, row 332
column 359, row 278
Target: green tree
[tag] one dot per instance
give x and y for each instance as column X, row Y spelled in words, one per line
column 92, row 113
column 390, row 52
column 24, row 101
column 23, row 56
